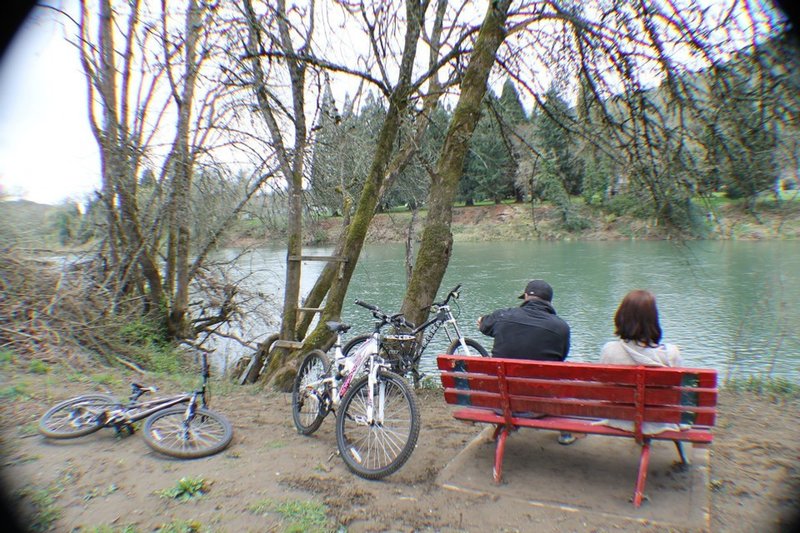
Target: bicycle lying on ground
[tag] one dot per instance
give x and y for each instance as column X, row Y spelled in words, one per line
column 185, row 432
column 404, row 348
column 377, row 417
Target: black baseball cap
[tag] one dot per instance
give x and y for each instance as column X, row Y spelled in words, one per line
column 539, row 288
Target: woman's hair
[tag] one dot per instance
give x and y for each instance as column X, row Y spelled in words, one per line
column 637, row 318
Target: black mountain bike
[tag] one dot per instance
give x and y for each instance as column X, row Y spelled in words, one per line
column 404, row 347
column 183, row 431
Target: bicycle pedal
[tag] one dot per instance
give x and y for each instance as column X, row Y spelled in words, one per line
column 125, row 430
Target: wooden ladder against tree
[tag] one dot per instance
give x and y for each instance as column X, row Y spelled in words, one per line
column 329, row 258
column 260, row 358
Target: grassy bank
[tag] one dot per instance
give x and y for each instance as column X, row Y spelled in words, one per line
column 717, row 218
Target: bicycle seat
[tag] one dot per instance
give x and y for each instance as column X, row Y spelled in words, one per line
column 338, row 327
column 138, row 388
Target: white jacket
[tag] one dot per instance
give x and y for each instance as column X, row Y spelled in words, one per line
column 631, row 353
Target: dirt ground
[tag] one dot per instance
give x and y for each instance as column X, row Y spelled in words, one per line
column 272, row 479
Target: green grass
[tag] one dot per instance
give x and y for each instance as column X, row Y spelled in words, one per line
column 108, row 380
column 42, row 501
column 38, row 367
column 46, row 512
column 296, row 515
column 15, row 391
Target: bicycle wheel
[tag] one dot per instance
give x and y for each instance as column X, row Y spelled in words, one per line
column 167, row 432
column 375, row 450
column 77, row 417
column 473, row 346
column 308, row 410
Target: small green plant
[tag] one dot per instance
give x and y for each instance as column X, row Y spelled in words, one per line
column 95, row 492
column 429, row 383
column 7, row 356
column 38, row 367
column 186, row 489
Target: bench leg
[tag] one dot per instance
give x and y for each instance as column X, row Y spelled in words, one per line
column 679, row 445
column 644, row 460
column 497, row 471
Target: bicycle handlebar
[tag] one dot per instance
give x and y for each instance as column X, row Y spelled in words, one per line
column 397, row 319
column 368, row 306
column 452, row 294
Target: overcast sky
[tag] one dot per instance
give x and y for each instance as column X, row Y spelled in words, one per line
column 47, row 152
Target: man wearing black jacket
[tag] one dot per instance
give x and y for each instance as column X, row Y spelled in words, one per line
column 531, row 331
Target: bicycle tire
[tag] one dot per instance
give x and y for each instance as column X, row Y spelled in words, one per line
column 377, row 450
column 77, row 416
column 307, row 410
column 455, row 348
column 209, row 432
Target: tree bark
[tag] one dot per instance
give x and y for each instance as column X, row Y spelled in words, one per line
column 437, row 239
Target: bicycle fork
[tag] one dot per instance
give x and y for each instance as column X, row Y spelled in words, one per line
column 375, row 410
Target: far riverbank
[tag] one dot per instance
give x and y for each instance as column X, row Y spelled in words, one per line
column 522, row 222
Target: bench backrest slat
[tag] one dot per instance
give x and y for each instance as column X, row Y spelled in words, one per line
column 699, row 377
column 676, row 395
column 702, row 416
column 589, row 390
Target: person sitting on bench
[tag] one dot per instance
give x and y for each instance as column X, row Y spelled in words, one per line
column 636, row 324
column 531, row 331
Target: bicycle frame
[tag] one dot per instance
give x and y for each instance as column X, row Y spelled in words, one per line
column 137, row 410
column 443, row 318
column 342, row 371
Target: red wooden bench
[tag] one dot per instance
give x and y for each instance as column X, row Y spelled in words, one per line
column 574, row 396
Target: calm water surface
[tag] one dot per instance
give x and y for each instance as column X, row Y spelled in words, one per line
column 729, row 305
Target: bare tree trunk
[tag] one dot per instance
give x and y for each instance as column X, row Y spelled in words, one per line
column 291, row 165
column 437, row 239
column 182, row 163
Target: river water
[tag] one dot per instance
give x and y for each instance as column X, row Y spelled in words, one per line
column 729, row 305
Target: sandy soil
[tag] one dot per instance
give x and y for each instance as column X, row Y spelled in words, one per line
column 104, row 483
